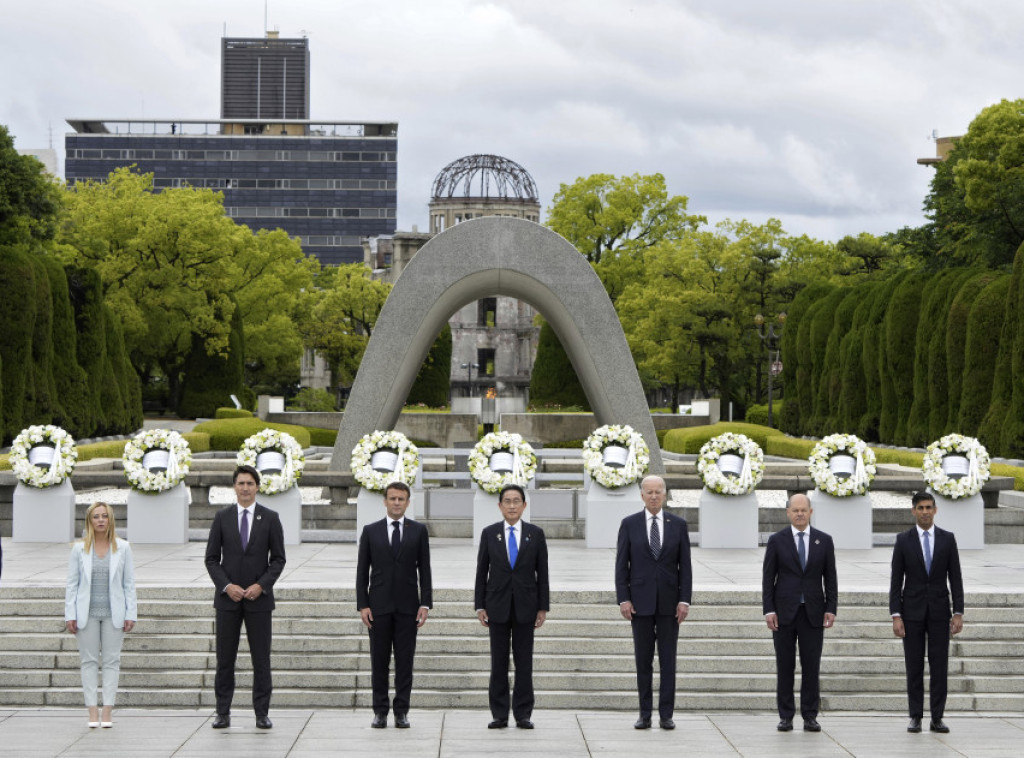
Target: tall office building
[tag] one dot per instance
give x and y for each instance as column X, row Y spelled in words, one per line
column 330, row 183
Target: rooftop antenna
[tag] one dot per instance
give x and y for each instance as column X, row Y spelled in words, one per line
column 935, row 135
column 266, row 27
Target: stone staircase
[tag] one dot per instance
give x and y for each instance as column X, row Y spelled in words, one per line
column 583, row 657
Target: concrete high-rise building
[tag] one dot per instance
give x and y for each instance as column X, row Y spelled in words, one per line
column 264, row 77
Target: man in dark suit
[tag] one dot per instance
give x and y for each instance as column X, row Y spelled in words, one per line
column 512, row 600
column 244, row 557
column 798, row 594
column 925, row 572
column 394, row 593
column 653, row 581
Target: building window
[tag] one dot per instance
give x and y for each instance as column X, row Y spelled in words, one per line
column 485, row 359
column 488, row 311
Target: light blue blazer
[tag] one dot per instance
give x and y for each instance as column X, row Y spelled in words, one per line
column 123, row 602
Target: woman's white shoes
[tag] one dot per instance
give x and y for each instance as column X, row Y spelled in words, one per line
column 106, row 724
column 93, row 724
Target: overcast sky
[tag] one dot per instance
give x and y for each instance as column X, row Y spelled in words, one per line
column 811, row 112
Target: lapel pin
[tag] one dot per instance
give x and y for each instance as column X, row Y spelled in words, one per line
column 817, row 542
column 258, row 518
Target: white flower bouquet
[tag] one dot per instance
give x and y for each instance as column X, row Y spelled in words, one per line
column 524, row 461
column 179, row 459
column 825, row 478
column 620, row 435
column 271, row 440
column 940, row 482
column 740, row 445
column 65, row 456
column 362, row 460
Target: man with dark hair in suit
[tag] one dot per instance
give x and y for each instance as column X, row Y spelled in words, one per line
column 798, row 593
column 512, row 600
column 925, row 572
column 653, row 581
column 244, row 557
column 394, row 593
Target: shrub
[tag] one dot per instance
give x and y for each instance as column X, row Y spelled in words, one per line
column 554, row 380
column 230, row 433
column 210, row 380
column 322, row 437
column 979, row 360
column 957, row 326
column 17, row 314
column 930, row 369
column 1013, row 426
column 313, row 399
column 232, row 413
column 792, row 358
column 758, row 414
column 830, row 383
column 690, row 439
column 433, row 381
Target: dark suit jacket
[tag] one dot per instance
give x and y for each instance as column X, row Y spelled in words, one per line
column 388, row 583
column 784, row 581
column 655, row 587
column 261, row 563
column 498, row 584
column 915, row 594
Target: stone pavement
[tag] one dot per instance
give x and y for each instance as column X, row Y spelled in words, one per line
column 439, row 734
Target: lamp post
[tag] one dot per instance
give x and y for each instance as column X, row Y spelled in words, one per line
column 771, row 337
column 469, row 374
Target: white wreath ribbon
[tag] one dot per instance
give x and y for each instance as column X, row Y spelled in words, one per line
column 746, row 474
column 860, row 474
column 399, row 472
column 172, row 464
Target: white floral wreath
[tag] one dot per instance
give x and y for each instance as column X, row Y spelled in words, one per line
column 843, row 444
column 624, row 436
column 977, row 466
column 65, row 455
column 271, row 439
column 738, row 444
column 142, row 479
column 377, row 481
column 524, row 461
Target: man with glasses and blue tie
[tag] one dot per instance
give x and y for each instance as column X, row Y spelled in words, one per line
column 512, row 600
column 925, row 572
column 799, row 593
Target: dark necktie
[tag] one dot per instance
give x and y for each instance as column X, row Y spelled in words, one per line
column 927, row 554
column 396, row 537
column 513, row 548
column 655, row 538
column 802, row 551
column 243, row 530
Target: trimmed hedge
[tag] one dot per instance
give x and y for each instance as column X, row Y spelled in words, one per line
column 691, row 439
column 232, row 413
column 1012, row 441
column 230, row 433
column 758, row 414
column 322, row 437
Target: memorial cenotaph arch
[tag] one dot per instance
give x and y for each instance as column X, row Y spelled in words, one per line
column 486, row 257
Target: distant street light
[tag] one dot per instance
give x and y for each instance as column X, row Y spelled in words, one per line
column 469, row 373
column 772, row 338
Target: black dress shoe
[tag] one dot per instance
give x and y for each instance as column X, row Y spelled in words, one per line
column 667, row 723
column 401, row 722
column 644, row 722
column 380, row 721
column 222, row 721
column 498, row 724
column 938, row 726
column 263, row 722
column 524, row 723
column 785, row 725
column 915, row 725
column 812, row 725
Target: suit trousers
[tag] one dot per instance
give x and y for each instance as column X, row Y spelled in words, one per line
column 100, row 633
column 649, row 631
column 258, row 633
column 392, row 632
column 809, row 639
column 520, row 635
column 932, row 635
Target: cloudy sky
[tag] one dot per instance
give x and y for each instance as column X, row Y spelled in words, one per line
column 811, row 112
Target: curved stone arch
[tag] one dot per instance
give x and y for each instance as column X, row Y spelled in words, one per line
column 483, row 258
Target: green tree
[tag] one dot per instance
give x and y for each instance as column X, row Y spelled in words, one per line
column 899, row 365
column 210, row 380
column 17, row 321
column 554, row 380
column 433, row 381
column 796, row 361
column 29, row 199
column 1013, row 427
column 985, row 318
column 86, row 290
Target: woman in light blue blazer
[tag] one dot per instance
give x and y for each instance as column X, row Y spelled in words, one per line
column 100, row 606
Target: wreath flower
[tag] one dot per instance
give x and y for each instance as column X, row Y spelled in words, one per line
column 977, row 466
column 735, row 444
column 842, row 444
column 623, row 436
column 524, row 461
column 282, row 442
column 65, row 456
column 377, row 481
column 179, row 460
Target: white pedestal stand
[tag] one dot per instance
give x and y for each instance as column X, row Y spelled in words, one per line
column 160, row 517
column 288, row 505
column 728, row 521
column 846, row 519
column 44, row 514
column 487, row 512
column 604, row 510
column 964, row 517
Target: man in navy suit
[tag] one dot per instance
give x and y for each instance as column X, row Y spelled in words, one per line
column 798, row 593
column 511, row 597
column 394, row 593
column 653, row 581
column 244, row 557
column 925, row 572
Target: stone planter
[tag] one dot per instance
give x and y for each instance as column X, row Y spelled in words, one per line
column 846, row 519
column 160, row 517
column 728, row 521
column 604, row 510
column 44, row 515
column 288, row 505
column 964, row 517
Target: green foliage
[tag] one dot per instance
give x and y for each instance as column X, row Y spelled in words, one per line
column 929, row 376
column 830, row 383
column 322, row 437
column 758, row 414
column 212, row 379
column 985, row 319
column 433, row 381
column 1012, row 441
column 229, row 434
column 232, row 413
column 313, row 399
column 70, row 380
column 690, row 439
column 899, row 365
column 42, row 404
column 957, row 324
column 29, row 199
column 554, row 380
column 87, row 300
column 796, row 362
column 17, row 315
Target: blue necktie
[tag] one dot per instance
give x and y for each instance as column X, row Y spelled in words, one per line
column 927, row 554
column 243, row 530
column 802, row 551
column 513, row 548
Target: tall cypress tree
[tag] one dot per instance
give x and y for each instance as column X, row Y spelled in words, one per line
column 210, row 380
column 17, row 324
column 554, row 380
column 434, row 378
column 981, row 354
